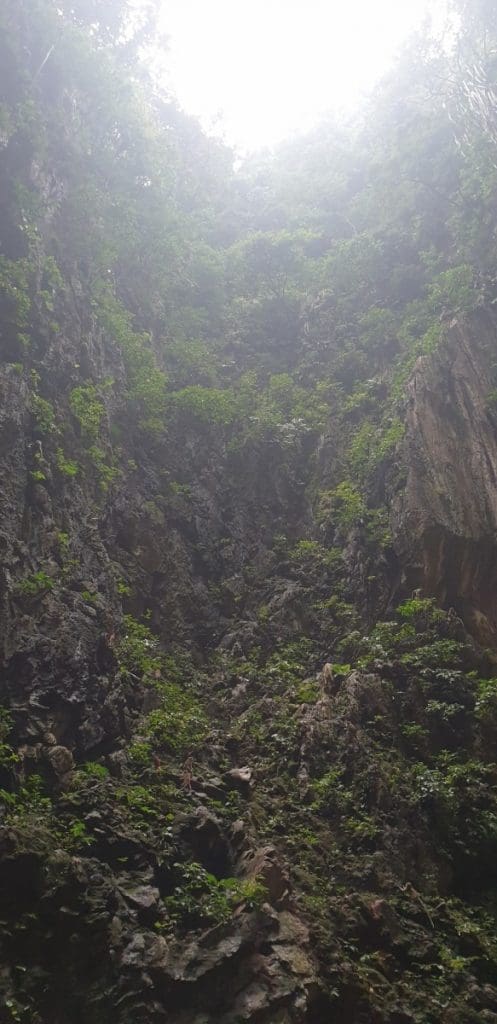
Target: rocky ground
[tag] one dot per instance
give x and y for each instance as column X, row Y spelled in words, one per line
column 255, row 806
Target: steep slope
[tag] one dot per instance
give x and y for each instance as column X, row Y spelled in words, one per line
column 247, row 447
column 447, row 512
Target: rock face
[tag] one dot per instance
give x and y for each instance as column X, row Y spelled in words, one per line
column 230, row 791
column 445, row 519
column 253, row 870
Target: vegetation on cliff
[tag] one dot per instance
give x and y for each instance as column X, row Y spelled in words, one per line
column 202, row 433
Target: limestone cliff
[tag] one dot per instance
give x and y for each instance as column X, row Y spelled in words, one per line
column 248, row 705
column 445, row 519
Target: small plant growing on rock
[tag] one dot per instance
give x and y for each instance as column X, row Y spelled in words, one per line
column 421, row 608
column 200, row 898
column 38, row 583
column 43, row 414
column 106, row 473
column 138, row 650
column 68, row 467
column 94, row 770
column 8, row 756
column 180, row 725
column 88, row 409
column 140, row 754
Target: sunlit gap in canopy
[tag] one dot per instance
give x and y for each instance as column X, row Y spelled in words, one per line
column 258, row 71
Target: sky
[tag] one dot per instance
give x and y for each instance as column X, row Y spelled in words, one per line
column 257, row 71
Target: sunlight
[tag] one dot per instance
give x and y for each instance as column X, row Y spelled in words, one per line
column 258, row 72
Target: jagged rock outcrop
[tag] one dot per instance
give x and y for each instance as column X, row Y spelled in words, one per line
column 445, row 514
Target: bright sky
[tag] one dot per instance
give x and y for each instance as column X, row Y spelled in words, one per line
column 258, row 71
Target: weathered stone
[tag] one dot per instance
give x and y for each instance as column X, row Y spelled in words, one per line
column 445, row 516
column 60, row 759
column 241, row 778
column 265, row 866
column 143, row 897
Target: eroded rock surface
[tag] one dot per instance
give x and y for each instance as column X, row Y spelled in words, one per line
column 445, row 518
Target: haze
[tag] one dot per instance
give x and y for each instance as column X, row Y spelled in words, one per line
column 258, row 72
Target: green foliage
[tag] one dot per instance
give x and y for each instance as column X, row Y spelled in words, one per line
column 414, row 732
column 307, row 692
column 15, row 279
column 34, row 824
column 191, row 362
column 8, row 756
column 138, row 650
column 343, row 505
column 139, row 801
column 77, row 835
column 94, row 770
column 201, row 899
column 310, row 553
column 285, row 405
column 38, row 583
column 441, row 653
column 486, row 702
column 371, row 444
column 454, row 289
column 140, row 753
column 290, row 662
column 304, row 549
column 341, row 668
column 43, row 414
column 205, row 405
column 180, row 725
column 88, row 409
column 147, row 383
column 329, row 789
column 106, row 473
column 68, row 467
column 421, row 610
column 444, row 710
column 294, row 297
column 263, row 613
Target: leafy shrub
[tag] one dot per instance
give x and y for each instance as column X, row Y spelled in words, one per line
column 138, row 649
column 43, row 414
column 440, row 653
column 486, row 702
column 68, row 467
column 36, row 827
column 140, row 753
column 139, row 800
column 8, row 756
column 147, row 384
column 310, row 552
column 15, row 277
column 201, row 898
column 343, row 505
column 94, row 770
column 206, row 405
column 88, row 409
column 180, row 725
column 421, row 609
column 106, row 474
column 37, row 583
